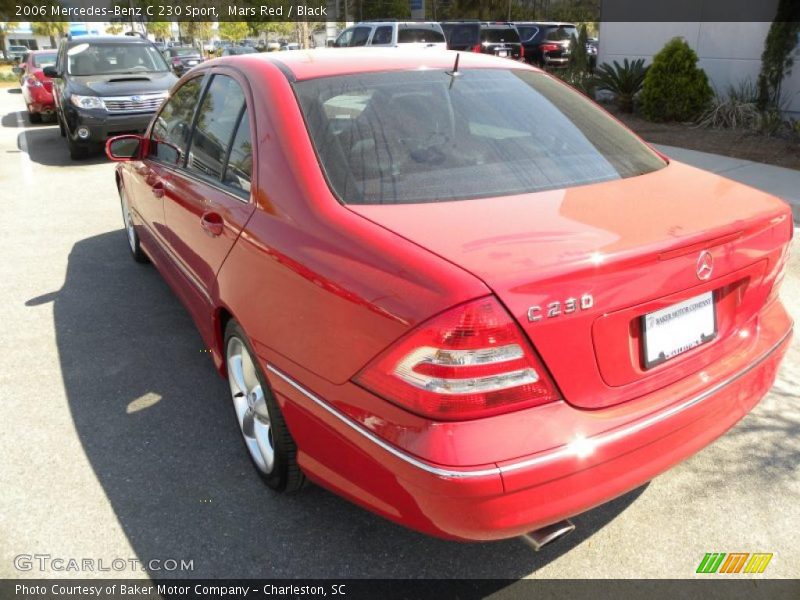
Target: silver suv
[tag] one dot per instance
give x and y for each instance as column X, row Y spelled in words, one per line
column 393, row 33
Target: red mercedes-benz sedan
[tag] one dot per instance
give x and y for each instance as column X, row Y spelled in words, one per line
column 459, row 294
column 37, row 90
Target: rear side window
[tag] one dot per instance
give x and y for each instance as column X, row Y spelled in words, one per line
column 409, row 137
column 360, row 36
column 239, row 170
column 174, row 123
column 383, row 35
column 497, row 35
column 420, row 35
column 560, row 34
column 217, row 119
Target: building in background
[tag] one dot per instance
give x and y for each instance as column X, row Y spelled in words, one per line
column 729, row 52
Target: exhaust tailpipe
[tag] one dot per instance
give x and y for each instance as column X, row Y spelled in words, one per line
column 541, row 537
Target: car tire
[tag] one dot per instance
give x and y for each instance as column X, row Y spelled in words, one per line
column 34, row 117
column 133, row 238
column 76, row 150
column 269, row 444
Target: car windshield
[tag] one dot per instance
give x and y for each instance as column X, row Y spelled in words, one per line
column 410, row 35
column 108, row 59
column 44, row 60
column 504, row 34
column 420, row 136
column 17, row 49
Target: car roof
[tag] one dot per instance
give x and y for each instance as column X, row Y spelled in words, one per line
column 546, row 23
column 105, row 39
column 328, row 62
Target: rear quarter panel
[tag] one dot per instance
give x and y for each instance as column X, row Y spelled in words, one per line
column 316, row 287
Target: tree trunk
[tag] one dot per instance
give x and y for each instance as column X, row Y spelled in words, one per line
column 52, row 41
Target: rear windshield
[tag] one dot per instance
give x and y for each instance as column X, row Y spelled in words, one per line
column 44, row 60
column 108, row 59
column 462, row 34
column 526, row 32
column 411, row 136
column 505, row 34
column 183, row 52
column 559, row 34
column 410, row 35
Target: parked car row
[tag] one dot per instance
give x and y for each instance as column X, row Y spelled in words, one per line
column 545, row 44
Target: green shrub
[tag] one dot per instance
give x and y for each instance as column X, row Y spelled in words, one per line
column 579, row 58
column 675, row 89
column 624, row 81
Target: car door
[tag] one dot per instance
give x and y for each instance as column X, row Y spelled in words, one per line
column 169, row 138
column 207, row 201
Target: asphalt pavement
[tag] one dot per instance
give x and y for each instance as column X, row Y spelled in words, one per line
column 118, row 441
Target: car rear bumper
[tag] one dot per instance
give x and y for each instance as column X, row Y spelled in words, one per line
column 38, row 100
column 508, row 498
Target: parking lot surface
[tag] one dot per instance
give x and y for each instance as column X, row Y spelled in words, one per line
column 119, row 442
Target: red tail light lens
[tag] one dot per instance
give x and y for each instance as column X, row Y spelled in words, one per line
column 550, row 47
column 476, row 48
column 469, row 362
column 521, row 51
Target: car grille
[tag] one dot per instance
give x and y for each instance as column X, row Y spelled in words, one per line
column 137, row 103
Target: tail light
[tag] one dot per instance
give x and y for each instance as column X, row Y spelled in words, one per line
column 476, row 48
column 469, row 362
column 32, row 81
column 550, row 47
column 176, row 61
column 521, row 51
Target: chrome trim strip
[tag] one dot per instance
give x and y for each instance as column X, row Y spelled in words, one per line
column 546, row 456
column 373, row 438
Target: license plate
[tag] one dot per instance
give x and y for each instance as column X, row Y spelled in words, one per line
column 678, row 328
column 502, row 53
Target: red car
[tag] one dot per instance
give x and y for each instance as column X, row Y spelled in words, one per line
column 36, row 88
column 453, row 290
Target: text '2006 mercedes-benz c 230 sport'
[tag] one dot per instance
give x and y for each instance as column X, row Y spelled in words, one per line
column 450, row 288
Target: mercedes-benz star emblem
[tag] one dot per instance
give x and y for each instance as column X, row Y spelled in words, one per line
column 136, row 99
column 705, row 265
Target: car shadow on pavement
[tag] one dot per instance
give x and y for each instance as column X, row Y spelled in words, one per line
column 45, row 146
column 10, row 120
column 154, row 420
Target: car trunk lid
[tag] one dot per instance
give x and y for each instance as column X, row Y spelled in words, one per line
column 609, row 254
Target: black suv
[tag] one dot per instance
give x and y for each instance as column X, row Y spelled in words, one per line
column 106, row 86
column 500, row 39
column 547, row 44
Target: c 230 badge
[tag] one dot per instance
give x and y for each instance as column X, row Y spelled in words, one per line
column 556, row 309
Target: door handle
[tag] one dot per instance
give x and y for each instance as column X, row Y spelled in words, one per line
column 213, row 224
column 158, row 188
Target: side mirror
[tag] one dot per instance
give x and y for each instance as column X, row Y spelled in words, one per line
column 51, row 72
column 123, row 148
column 17, row 70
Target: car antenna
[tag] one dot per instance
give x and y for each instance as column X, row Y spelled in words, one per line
column 454, row 73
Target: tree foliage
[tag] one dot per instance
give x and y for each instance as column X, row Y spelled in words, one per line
column 233, row 31
column 776, row 60
column 675, row 88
